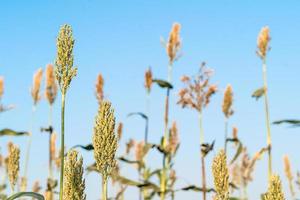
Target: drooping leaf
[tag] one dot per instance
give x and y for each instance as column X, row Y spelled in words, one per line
column 144, row 116
column 26, row 194
column 88, row 147
column 196, row 189
column 293, row 122
column 10, row 132
column 258, row 93
column 206, row 148
column 163, row 83
column 127, row 160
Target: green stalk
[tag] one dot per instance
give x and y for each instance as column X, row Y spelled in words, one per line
column 202, row 157
column 267, row 115
column 104, row 188
column 62, row 151
column 29, row 145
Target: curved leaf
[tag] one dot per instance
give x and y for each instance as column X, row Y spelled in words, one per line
column 294, row 122
column 88, row 147
column 162, row 83
column 138, row 113
column 27, row 194
column 10, row 132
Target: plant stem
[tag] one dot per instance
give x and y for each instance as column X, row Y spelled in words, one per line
column 269, row 143
column 28, row 147
column 226, row 135
column 202, row 156
column 50, row 133
column 104, row 188
column 62, row 148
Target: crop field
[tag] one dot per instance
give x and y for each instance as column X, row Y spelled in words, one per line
column 125, row 105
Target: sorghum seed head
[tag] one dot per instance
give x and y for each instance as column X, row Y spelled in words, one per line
column 275, row 189
column 263, row 42
column 148, row 79
column 36, row 187
column 1, row 86
column 221, row 176
column 53, row 146
column 51, row 87
column 74, row 184
column 120, row 130
column 287, row 167
column 173, row 139
column 140, row 151
column 174, row 42
column 227, row 102
column 129, row 145
column 99, row 88
column 35, row 90
column 13, row 165
column 105, row 140
column 64, row 69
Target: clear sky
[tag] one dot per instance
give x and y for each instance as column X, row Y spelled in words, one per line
column 121, row 39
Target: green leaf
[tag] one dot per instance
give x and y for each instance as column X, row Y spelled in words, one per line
column 294, row 122
column 27, row 194
column 234, row 198
column 9, row 132
column 127, row 160
column 196, row 189
column 138, row 113
column 258, row 93
column 206, row 148
column 163, row 84
column 88, row 147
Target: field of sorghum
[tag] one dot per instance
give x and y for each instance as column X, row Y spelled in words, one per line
column 232, row 172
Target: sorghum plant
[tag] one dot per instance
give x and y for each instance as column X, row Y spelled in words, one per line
column 64, row 73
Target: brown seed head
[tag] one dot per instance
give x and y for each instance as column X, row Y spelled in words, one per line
column 120, row 130
column 174, row 42
column 35, row 90
column 287, row 167
column 99, row 88
column 53, row 146
column 227, row 102
column 263, row 42
column 51, row 87
column 173, row 139
column 148, row 80
column 36, row 187
column 129, row 146
column 1, row 86
column 140, row 151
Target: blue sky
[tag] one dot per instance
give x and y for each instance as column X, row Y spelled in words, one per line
column 121, row 39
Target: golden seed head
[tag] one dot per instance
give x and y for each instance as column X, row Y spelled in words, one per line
column 221, row 176
column 105, row 140
column 74, row 184
column 36, row 187
column 274, row 190
column 13, row 165
column 120, row 130
column 53, row 146
column 23, row 184
column 263, row 42
column 1, row 86
column 287, row 167
column 99, row 88
column 148, row 79
column 173, row 139
column 49, row 195
column 35, row 90
column 174, row 42
column 227, row 102
column 51, row 87
column 64, row 69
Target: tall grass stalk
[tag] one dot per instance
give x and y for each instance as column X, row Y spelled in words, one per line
column 267, row 115
column 62, row 147
column 203, row 171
